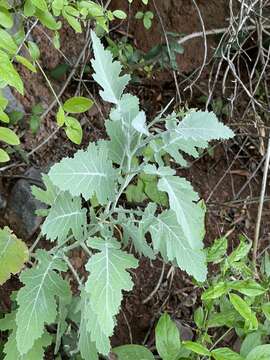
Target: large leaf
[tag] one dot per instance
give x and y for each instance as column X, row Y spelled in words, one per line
column 13, row 254
column 194, row 131
column 36, row 299
column 169, row 239
column 167, row 338
column 108, row 278
column 133, row 352
column 107, row 72
column 261, row 352
column 88, row 172
column 189, row 214
column 66, row 214
column 10, row 348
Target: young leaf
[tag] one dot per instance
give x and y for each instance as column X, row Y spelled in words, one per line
column 33, row 50
column 247, row 287
column 73, row 129
column 4, row 117
column 108, row 278
column 66, row 214
column 244, row 310
column 137, row 233
column 9, row 74
column 196, row 348
column 167, row 338
column 215, row 291
column 26, row 63
column 168, row 238
column 107, row 72
column 40, row 4
column 13, row 254
column 77, row 104
column 4, row 157
column 88, row 172
column 133, row 352
column 139, row 123
column 36, row 299
column 199, row 317
column 6, row 19
column 216, row 252
column 241, row 251
column 119, row 14
column 226, row 354
column 7, row 43
column 8, row 136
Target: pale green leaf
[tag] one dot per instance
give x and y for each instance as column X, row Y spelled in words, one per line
column 26, row 63
column 119, row 14
column 133, row 352
column 108, row 278
column 36, row 299
column 169, row 239
column 4, row 157
column 65, row 214
column 107, row 72
column 48, row 20
column 243, row 308
column 6, row 19
column 77, row 104
column 196, row 348
column 216, row 252
column 13, row 254
column 8, row 136
column 247, row 287
column 250, row 342
column 226, row 354
column 167, row 338
column 10, row 348
column 137, row 231
column 88, row 172
column 190, row 229
column 33, row 50
column 60, row 116
column 4, row 117
column 194, row 131
column 40, row 4
column 117, row 145
column 8, row 73
column 139, row 123
column 261, row 352
column 73, row 129
column 48, row 196
column 215, row 291
column 86, row 345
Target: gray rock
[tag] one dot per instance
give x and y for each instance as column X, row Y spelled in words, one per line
column 13, row 103
column 21, row 207
column 186, row 333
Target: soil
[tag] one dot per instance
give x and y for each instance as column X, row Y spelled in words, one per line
column 217, row 177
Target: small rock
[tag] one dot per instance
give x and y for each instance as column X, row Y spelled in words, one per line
column 186, row 333
column 13, row 103
column 3, row 202
column 21, row 207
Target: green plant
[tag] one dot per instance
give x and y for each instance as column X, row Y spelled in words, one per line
column 232, row 303
column 50, row 14
column 146, row 17
column 101, row 175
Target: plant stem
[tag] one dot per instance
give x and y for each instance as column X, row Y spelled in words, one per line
column 260, row 208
